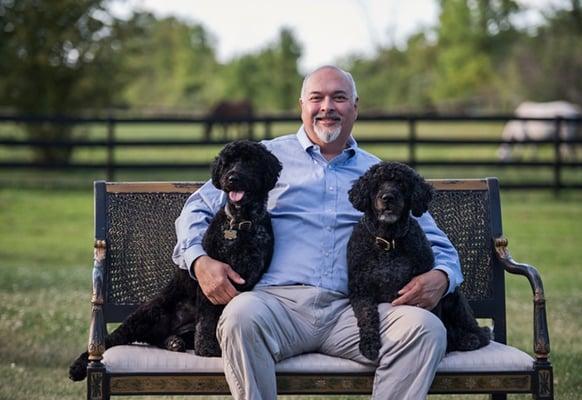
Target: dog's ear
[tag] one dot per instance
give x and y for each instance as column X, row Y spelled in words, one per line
column 422, row 194
column 272, row 169
column 227, row 153
column 359, row 194
column 216, row 171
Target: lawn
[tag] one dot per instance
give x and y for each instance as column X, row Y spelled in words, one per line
column 45, row 272
column 46, row 239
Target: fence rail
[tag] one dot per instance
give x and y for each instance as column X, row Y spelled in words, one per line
column 557, row 164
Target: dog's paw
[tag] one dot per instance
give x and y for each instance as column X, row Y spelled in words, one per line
column 207, row 347
column 175, row 343
column 209, row 351
column 370, row 348
column 470, row 341
column 78, row 369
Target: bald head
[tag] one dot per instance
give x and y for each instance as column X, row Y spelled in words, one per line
column 348, row 77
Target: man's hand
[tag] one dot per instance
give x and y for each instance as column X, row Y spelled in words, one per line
column 424, row 290
column 214, row 278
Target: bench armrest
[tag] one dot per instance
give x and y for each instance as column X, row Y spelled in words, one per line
column 541, row 335
column 96, row 346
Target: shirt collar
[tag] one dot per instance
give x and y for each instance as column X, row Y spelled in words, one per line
column 306, row 143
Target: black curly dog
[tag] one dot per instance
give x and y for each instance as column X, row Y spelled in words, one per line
column 241, row 235
column 388, row 248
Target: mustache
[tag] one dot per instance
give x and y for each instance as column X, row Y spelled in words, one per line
column 333, row 116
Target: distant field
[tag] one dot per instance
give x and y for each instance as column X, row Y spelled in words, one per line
column 46, row 238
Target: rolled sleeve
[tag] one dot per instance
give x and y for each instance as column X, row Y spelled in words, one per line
column 445, row 254
column 192, row 223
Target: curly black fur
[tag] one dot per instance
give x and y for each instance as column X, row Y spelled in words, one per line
column 181, row 317
column 388, row 248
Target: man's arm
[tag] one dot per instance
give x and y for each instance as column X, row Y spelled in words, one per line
column 214, row 277
column 427, row 289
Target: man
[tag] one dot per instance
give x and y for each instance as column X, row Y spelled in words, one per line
column 300, row 305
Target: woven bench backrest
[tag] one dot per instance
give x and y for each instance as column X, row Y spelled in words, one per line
column 137, row 222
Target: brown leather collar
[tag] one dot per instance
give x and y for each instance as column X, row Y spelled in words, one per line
column 381, row 243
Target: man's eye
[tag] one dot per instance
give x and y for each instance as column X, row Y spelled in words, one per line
column 340, row 98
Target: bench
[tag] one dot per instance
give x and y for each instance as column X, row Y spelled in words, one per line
column 134, row 239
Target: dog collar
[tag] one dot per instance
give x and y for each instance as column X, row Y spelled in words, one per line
column 234, row 227
column 382, row 243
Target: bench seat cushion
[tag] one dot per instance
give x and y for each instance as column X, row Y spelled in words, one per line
column 142, row 358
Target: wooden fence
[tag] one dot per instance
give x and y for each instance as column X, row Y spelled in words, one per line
column 557, row 164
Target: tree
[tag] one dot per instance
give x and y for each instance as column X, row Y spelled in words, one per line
column 269, row 78
column 546, row 65
column 284, row 74
column 472, row 37
column 171, row 62
column 56, row 58
column 397, row 80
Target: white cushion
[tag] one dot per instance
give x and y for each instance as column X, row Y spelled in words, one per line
column 143, row 358
column 493, row 357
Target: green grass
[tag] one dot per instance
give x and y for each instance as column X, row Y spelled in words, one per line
column 46, row 238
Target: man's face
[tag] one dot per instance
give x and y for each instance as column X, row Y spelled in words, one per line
column 328, row 110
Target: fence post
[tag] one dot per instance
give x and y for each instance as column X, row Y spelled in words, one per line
column 557, row 157
column 412, row 142
column 251, row 128
column 268, row 129
column 110, row 150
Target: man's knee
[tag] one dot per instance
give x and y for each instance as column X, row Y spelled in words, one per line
column 240, row 317
column 415, row 322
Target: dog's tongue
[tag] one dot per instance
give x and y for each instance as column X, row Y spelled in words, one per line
column 235, row 196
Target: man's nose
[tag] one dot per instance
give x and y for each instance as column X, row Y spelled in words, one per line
column 327, row 104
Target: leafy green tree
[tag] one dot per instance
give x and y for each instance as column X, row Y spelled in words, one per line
column 284, row 74
column 546, row 64
column 472, row 37
column 269, row 78
column 396, row 80
column 171, row 62
column 56, row 58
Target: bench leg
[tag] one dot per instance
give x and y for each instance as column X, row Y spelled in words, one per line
column 97, row 387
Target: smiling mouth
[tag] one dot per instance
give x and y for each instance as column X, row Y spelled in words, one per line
column 328, row 120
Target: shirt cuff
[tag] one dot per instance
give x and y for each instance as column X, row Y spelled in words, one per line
column 190, row 255
column 448, row 273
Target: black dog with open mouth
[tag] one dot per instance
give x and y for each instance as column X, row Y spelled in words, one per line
column 240, row 235
column 388, row 248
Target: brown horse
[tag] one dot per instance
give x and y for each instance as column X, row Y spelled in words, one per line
column 236, row 113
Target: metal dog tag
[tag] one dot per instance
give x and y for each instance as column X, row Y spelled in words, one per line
column 230, row 234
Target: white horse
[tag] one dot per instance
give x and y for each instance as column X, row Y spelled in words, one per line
column 519, row 131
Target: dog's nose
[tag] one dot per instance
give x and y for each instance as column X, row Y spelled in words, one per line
column 233, row 178
column 387, row 197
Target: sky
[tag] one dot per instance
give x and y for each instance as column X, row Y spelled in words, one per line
column 328, row 30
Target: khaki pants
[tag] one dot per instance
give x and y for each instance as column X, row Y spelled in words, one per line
column 264, row 326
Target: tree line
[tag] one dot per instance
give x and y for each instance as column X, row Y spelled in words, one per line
column 65, row 57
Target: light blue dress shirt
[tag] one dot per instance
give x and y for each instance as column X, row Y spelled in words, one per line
column 311, row 215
